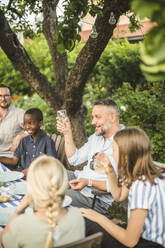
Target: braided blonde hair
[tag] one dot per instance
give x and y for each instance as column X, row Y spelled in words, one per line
column 47, row 184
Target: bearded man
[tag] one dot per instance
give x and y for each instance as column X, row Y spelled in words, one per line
column 11, row 121
column 105, row 119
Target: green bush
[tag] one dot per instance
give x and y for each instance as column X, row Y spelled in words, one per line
column 141, row 108
column 118, row 63
column 146, row 110
column 39, row 53
column 11, row 77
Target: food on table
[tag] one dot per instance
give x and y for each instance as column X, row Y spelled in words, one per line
column 4, row 198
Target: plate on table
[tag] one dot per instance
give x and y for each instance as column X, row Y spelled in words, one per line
column 20, row 188
column 9, row 176
column 67, row 201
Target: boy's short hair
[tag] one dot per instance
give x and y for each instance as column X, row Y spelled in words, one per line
column 6, row 86
column 35, row 112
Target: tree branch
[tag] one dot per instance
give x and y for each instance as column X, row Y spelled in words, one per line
column 90, row 54
column 21, row 61
column 13, row 9
column 59, row 61
column 9, row 4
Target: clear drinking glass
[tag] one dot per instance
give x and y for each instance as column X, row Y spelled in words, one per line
column 62, row 114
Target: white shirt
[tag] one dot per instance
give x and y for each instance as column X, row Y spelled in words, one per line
column 85, row 153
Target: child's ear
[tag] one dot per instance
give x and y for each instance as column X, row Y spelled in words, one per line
column 41, row 123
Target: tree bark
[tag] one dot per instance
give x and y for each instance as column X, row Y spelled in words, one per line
column 59, row 61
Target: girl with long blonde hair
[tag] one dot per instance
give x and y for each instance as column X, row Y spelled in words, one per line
column 50, row 224
column 143, row 182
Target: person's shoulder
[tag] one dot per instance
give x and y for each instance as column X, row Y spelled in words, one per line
column 20, row 219
column 75, row 214
column 74, row 210
column 17, row 111
column 26, row 138
column 93, row 136
column 47, row 136
column 24, row 220
column 44, row 135
column 141, row 185
column 24, row 142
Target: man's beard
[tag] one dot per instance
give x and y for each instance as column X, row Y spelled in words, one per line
column 5, row 107
column 103, row 131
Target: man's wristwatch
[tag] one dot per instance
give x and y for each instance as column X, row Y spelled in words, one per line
column 90, row 182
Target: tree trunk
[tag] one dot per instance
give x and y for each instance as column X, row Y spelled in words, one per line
column 59, row 61
column 77, row 121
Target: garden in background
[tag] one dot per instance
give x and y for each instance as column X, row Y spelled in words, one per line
column 116, row 75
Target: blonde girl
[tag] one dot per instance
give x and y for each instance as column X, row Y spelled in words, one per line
column 50, row 225
column 144, row 184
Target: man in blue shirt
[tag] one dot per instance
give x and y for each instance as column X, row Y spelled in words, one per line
column 33, row 145
column 105, row 118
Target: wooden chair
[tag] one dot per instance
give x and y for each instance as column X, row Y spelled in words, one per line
column 60, row 149
column 59, row 142
column 91, row 241
column 98, row 193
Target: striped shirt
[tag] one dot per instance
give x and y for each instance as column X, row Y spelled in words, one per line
column 151, row 197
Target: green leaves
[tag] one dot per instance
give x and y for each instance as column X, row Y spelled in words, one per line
column 153, row 54
column 153, row 47
column 145, row 8
column 145, row 108
column 68, row 25
column 17, row 13
column 68, row 28
column 134, row 23
column 74, row 10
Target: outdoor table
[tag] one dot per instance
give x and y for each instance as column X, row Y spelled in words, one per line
column 7, row 208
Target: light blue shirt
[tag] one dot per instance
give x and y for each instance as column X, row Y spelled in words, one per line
column 85, row 153
column 143, row 195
